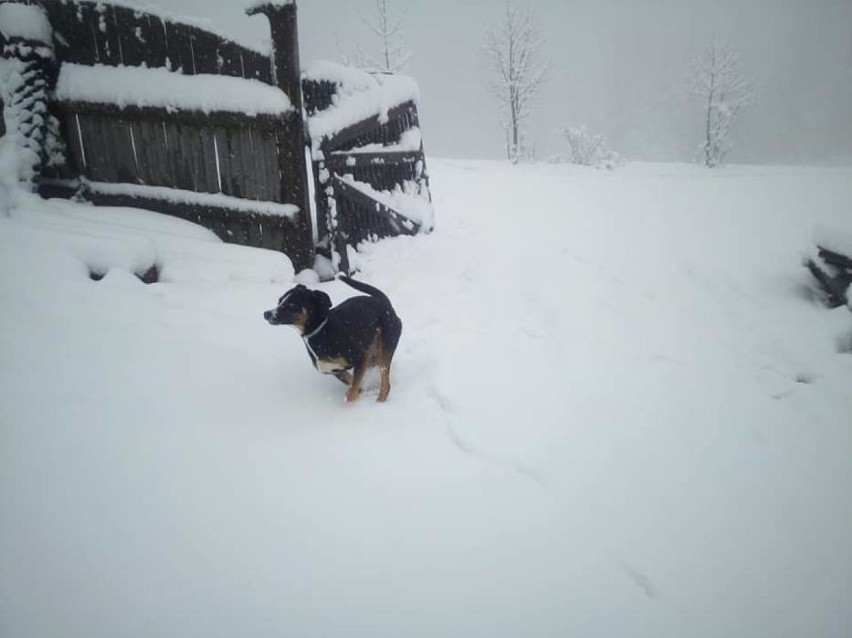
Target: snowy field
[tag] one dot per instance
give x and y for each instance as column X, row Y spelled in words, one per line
column 617, row 410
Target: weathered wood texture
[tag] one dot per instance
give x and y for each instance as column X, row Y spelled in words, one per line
column 834, row 277
column 400, row 119
column 318, row 95
column 219, row 153
column 99, row 33
column 234, row 226
column 360, row 218
column 345, row 215
column 259, row 158
column 382, row 171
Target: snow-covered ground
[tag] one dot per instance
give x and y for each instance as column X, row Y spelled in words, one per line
column 616, row 411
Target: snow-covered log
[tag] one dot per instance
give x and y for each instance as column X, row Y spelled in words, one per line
column 834, row 276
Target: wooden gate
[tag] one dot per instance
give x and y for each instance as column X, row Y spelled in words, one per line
column 163, row 115
column 129, row 108
column 370, row 172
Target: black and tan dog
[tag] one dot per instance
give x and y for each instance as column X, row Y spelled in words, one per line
column 346, row 340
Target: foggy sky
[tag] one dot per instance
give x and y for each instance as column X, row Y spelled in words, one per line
column 620, row 67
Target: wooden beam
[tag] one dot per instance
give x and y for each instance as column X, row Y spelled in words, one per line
column 181, row 116
column 340, row 160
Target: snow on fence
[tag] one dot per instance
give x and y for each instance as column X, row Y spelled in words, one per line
column 368, row 157
column 157, row 113
column 138, row 109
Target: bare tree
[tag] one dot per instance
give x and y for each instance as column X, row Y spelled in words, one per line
column 513, row 51
column 717, row 82
column 393, row 56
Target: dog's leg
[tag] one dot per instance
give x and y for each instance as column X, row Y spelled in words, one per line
column 358, row 376
column 368, row 359
column 383, row 362
column 384, row 388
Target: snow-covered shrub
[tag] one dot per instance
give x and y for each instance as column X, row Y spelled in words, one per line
column 26, row 64
column 587, row 149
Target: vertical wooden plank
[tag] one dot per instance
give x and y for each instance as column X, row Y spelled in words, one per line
column 173, row 48
column 183, row 158
column 128, row 24
column 152, row 36
column 123, row 144
column 143, row 165
column 179, row 47
column 171, row 154
column 113, row 148
column 191, row 145
column 77, row 143
column 255, row 158
column 237, row 167
column 106, row 35
column 250, row 69
column 205, row 48
column 167, row 172
column 116, row 145
column 228, row 59
column 247, row 161
column 226, row 174
column 289, row 154
column 254, row 230
column 150, row 150
column 89, row 134
column 208, row 159
column 174, row 176
column 270, row 166
column 97, row 163
column 73, row 32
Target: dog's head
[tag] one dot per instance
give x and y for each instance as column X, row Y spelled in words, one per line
column 297, row 305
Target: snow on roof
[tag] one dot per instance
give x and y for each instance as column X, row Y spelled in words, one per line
column 360, row 96
column 141, row 86
column 25, row 21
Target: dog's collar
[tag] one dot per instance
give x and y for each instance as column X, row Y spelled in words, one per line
column 316, row 330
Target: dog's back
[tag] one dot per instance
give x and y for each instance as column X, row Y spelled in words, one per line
column 389, row 322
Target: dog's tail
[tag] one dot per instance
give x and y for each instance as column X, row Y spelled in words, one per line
column 390, row 322
column 365, row 288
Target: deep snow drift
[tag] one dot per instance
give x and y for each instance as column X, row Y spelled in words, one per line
column 616, row 411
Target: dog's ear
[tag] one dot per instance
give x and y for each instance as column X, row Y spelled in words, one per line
column 322, row 301
column 298, row 288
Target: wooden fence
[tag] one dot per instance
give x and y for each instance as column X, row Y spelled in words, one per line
column 165, row 154
column 347, row 216
column 250, row 171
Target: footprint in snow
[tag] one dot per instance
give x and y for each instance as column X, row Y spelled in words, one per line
column 640, row 579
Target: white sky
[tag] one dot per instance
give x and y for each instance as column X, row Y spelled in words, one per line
column 618, row 66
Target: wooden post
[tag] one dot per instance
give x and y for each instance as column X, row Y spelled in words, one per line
column 292, row 143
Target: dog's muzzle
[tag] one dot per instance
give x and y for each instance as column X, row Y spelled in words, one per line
column 269, row 315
